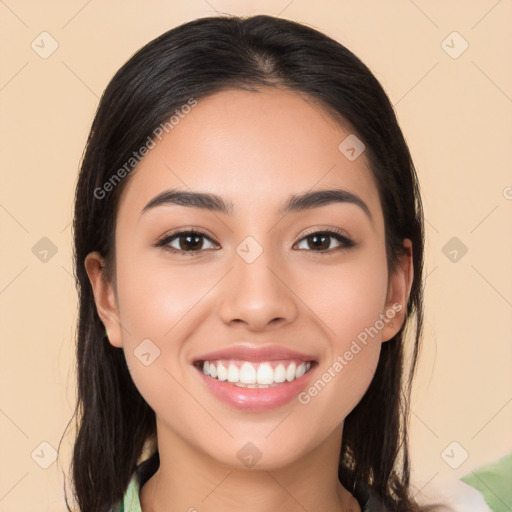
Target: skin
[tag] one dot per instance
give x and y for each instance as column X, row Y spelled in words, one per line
column 254, row 149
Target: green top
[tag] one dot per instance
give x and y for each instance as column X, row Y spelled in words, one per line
column 368, row 500
column 131, row 500
column 494, row 481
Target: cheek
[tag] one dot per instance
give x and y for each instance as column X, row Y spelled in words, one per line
column 161, row 306
column 154, row 297
column 341, row 383
column 158, row 307
column 348, row 298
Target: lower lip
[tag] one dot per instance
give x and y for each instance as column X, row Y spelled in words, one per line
column 253, row 399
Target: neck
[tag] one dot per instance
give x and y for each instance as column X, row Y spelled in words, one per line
column 190, row 480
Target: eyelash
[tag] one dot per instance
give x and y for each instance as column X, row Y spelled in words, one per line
column 346, row 243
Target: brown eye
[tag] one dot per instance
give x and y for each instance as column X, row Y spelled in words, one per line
column 190, row 242
column 186, row 242
column 321, row 241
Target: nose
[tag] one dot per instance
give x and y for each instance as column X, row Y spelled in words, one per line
column 257, row 294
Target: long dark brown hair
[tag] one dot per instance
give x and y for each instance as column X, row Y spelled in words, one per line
column 194, row 60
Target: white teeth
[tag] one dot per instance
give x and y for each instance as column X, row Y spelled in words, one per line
column 265, row 374
column 251, row 375
column 290, row 372
column 280, row 373
column 252, row 386
column 301, row 370
column 233, row 373
column 248, row 374
column 222, row 373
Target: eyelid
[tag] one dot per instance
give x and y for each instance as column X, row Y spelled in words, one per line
column 164, row 240
column 343, row 238
column 326, row 229
column 185, row 229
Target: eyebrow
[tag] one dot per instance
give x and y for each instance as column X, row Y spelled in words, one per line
column 295, row 203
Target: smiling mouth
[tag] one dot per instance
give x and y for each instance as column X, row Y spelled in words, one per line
column 247, row 374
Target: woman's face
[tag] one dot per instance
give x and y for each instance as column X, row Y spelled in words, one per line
column 259, row 277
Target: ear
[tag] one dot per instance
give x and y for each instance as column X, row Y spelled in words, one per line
column 399, row 288
column 104, row 297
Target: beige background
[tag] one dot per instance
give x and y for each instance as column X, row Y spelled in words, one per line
column 455, row 113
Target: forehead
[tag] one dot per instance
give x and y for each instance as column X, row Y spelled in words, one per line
column 254, row 149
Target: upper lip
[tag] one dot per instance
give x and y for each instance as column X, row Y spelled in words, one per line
column 254, row 354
